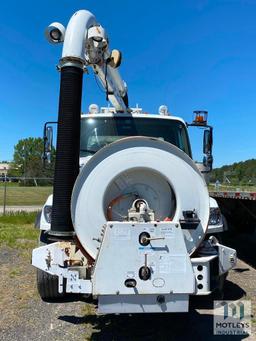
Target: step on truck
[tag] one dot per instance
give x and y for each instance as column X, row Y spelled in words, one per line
column 130, row 222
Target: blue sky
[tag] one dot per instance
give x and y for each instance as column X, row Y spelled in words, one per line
column 188, row 54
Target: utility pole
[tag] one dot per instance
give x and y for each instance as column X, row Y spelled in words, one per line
column 24, row 162
column 5, row 183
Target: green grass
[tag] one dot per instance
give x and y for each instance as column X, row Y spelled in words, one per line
column 12, row 184
column 18, row 218
column 17, row 230
column 22, row 195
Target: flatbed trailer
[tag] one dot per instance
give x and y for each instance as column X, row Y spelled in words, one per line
column 243, row 195
column 239, row 208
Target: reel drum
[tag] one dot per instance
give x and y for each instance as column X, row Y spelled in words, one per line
column 138, row 167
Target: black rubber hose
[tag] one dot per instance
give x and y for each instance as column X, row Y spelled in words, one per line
column 67, row 152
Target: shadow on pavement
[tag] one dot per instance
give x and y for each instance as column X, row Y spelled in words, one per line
column 194, row 325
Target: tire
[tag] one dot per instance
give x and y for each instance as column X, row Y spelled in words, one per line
column 37, row 221
column 219, row 292
column 222, row 281
column 47, row 285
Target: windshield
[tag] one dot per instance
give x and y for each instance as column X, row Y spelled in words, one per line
column 97, row 132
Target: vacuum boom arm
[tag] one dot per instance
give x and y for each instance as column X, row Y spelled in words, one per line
column 85, row 43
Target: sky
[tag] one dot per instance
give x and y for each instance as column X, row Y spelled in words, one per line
column 187, row 54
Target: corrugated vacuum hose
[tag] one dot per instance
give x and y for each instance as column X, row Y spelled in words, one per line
column 67, row 153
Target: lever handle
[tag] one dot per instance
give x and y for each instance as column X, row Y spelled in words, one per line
column 146, row 260
column 144, row 271
column 145, row 238
column 153, row 238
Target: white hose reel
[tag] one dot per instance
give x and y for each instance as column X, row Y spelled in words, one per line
column 135, row 167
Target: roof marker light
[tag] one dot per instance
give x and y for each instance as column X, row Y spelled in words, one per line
column 93, row 109
column 163, row 110
column 137, row 109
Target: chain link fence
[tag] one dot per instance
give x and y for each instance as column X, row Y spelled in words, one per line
column 23, row 194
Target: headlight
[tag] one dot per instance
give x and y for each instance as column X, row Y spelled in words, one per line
column 215, row 216
column 48, row 213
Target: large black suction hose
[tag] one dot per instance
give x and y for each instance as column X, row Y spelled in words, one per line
column 67, row 152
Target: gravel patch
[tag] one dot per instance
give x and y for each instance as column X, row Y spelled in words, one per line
column 25, row 317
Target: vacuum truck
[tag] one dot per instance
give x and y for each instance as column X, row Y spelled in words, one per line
column 130, row 222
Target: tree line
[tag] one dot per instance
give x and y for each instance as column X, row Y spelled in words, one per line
column 239, row 173
column 27, row 162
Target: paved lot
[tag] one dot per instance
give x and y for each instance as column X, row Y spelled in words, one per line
column 25, row 317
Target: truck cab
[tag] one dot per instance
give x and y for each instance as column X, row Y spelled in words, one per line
column 103, row 126
column 99, row 129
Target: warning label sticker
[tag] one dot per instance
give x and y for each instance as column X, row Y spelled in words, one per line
column 122, row 233
column 167, row 231
column 172, row 264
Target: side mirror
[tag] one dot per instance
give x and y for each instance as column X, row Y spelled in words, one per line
column 207, row 142
column 48, row 139
column 208, row 161
column 48, row 143
column 200, row 121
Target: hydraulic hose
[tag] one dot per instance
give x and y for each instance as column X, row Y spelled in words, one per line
column 67, row 152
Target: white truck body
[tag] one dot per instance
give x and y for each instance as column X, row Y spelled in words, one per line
column 173, row 269
column 132, row 228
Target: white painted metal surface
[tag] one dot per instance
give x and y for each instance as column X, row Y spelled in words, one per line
column 76, row 34
column 53, row 259
column 121, row 251
column 124, row 304
column 203, row 275
column 227, row 258
column 176, row 168
column 134, row 114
